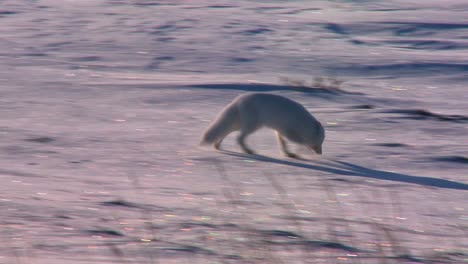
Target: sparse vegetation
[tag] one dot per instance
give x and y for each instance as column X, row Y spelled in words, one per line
column 233, row 236
column 331, row 84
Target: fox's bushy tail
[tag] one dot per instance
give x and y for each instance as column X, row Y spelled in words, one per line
column 226, row 122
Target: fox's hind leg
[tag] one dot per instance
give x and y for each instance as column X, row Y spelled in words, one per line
column 217, row 144
column 241, row 141
column 284, row 146
column 248, row 126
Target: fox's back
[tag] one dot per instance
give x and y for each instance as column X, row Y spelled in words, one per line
column 275, row 111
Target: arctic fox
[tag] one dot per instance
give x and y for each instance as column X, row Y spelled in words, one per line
column 251, row 111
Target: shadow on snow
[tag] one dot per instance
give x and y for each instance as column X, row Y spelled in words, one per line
column 263, row 87
column 350, row 169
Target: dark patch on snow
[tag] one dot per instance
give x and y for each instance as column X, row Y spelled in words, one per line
column 403, row 69
column 358, row 42
column 331, row 244
column 6, row 12
column 164, row 58
column 87, row 58
column 104, row 232
column 20, row 174
column 418, row 29
column 428, row 44
column 63, row 216
column 389, row 9
column 165, row 39
column 145, row 3
column 122, row 203
column 197, row 224
column 343, row 180
column 17, row 150
column 364, row 106
column 220, row 6
column 256, row 48
column 335, row 28
column 421, row 114
column 455, row 159
column 448, row 257
column 58, row 44
column 41, row 139
column 240, row 59
column 281, row 233
column 190, row 249
column 262, row 87
column 391, row 145
column 79, row 161
column 35, row 54
column 409, row 257
column 257, row 31
column 298, row 11
column 315, row 244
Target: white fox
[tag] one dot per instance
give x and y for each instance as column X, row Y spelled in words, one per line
column 251, row 111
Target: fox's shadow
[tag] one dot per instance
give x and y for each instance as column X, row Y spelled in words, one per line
column 349, row 169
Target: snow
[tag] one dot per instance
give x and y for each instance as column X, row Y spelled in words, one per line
column 103, row 104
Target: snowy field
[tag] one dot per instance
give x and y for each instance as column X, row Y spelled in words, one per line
column 103, row 103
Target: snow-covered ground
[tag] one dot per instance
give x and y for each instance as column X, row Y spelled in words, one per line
column 103, row 102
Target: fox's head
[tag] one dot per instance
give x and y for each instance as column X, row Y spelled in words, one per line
column 317, row 140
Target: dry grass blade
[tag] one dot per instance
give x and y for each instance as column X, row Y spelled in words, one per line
column 289, row 209
column 253, row 246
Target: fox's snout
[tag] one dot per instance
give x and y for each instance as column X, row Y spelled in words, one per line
column 317, row 149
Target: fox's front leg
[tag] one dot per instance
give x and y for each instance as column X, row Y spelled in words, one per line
column 284, row 147
column 241, row 140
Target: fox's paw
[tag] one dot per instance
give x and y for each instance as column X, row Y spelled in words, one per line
column 292, row 155
column 217, row 146
column 249, row 151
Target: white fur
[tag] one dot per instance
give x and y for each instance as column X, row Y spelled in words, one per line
column 249, row 112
